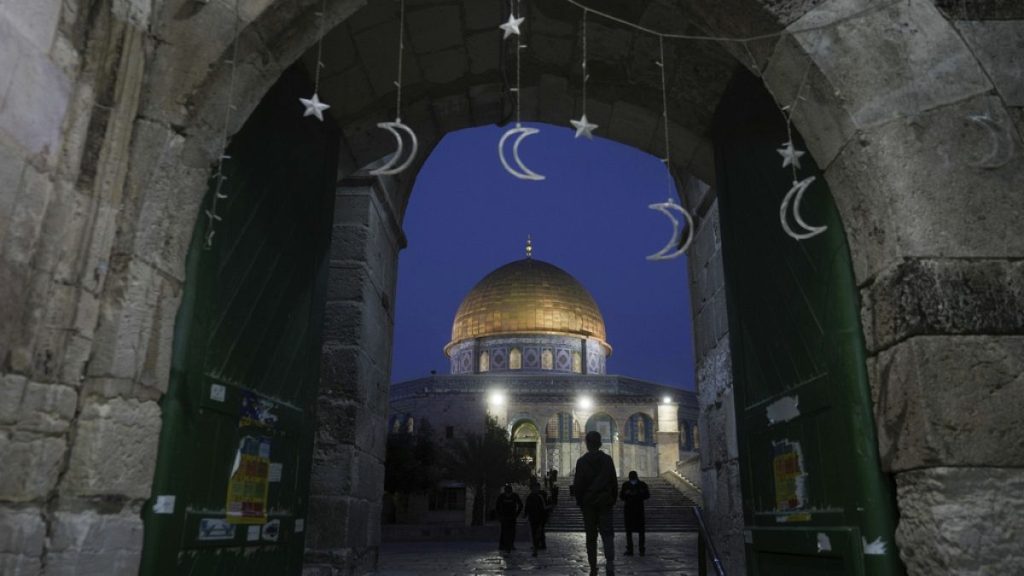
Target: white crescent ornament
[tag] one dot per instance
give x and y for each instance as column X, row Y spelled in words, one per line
column 798, row 190
column 389, row 168
column 520, row 171
column 673, row 248
column 1000, row 154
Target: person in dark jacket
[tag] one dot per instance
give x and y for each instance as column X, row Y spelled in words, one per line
column 595, row 488
column 633, row 493
column 537, row 509
column 507, row 508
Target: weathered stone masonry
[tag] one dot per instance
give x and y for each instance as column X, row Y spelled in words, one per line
column 109, row 114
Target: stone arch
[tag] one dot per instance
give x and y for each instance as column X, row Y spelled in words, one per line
column 851, row 132
column 605, row 424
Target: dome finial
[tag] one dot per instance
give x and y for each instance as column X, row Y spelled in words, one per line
column 529, row 246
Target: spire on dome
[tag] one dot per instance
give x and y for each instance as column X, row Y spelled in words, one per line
column 529, row 247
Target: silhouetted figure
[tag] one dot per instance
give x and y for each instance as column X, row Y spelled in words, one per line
column 551, row 479
column 537, row 512
column 507, row 508
column 595, row 487
column 633, row 493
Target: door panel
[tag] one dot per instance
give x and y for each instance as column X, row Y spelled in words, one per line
column 236, row 443
column 808, row 453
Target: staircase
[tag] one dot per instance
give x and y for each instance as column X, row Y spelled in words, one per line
column 668, row 510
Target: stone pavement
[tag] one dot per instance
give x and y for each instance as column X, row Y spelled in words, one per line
column 667, row 553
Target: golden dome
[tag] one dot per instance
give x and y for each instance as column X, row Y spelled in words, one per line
column 528, row 296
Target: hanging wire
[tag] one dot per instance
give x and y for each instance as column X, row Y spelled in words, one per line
column 212, row 217
column 584, row 63
column 401, row 54
column 699, row 37
column 515, row 8
column 664, row 100
column 320, row 47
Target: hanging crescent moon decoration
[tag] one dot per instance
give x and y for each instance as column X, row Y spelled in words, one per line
column 1000, row 154
column 520, row 171
column 673, row 248
column 798, row 190
column 389, row 168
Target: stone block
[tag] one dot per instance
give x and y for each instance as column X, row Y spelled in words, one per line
column 378, row 50
column 31, row 465
column 895, row 202
column 22, row 536
column 928, row 296
column 36, row 20
column 483, row 50
column 634, row 126
column 723, row 513
column 557, row 104
column 12, row 390
column 26, row 220
column 92, row 543
column 481, row 15
column 47, row 408
column 981, row 9
column 452, row 113
column 33, row 121
column 552, row 50
column 961, row 520
column 702, row 164
column 115, row 449
column 434, row 29
column 445, row 66
column 999, row 46
column 12, row 164
column 334, row 469
column 950, row 401
column 136, row 325
column 488, row 103
column 327, row 527
column 923, row 65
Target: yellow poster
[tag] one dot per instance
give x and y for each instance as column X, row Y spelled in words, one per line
column 790, row 491
column 249, row 483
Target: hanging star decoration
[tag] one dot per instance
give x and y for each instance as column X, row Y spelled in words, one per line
column 790, row 155
column 314, row 107
column 583, row 127
column 512, row 26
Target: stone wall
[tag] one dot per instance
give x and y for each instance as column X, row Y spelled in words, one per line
column 719, row 451
column 352, row 408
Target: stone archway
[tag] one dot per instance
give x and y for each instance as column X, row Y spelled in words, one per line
column 110, row 187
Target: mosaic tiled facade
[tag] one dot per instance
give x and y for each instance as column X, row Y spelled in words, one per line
column 566, row 354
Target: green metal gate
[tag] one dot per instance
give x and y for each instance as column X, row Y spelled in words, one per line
column 814, row 498
column 231, row 483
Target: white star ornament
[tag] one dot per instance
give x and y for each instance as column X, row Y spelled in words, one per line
column 583, row 127
column 512, row 26
column 314, row 107
column 790, row 155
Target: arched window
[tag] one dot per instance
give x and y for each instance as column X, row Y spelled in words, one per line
column 640, row 429
column 562, row 428
column 696, row 438
column 577, row 363
column 547, row 360
column 396, row 424
column 485, row 361
column 515, row 359
column 410, row 425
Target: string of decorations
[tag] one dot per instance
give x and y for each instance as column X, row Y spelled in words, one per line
column 392, row 167
column 583, row 126
column 314, row 107
column 676, row 246
column 212, row 216
column 512, row 28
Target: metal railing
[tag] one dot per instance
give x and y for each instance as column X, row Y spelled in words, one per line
column 705, row 546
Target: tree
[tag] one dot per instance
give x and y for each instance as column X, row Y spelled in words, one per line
column 485, row 462
column 412, row 462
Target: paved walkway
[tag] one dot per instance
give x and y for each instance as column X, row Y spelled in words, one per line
column 674, row 554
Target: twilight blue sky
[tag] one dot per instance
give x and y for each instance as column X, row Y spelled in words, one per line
column 467, row 216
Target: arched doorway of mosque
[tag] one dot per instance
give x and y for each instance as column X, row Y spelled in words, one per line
column 562, row 438
column 604, row 425
column 526, row 443
column 639, row 450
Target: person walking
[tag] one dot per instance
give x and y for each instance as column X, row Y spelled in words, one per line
column 536, row 513
column 633, row 493
column 595, row 487
column 507, row 508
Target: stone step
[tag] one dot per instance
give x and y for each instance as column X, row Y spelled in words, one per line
column 668, row 510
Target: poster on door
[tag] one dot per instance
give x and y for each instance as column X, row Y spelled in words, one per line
column 249, row 482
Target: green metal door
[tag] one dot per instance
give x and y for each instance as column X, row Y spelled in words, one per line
column 231, row 483
column 814, row 498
